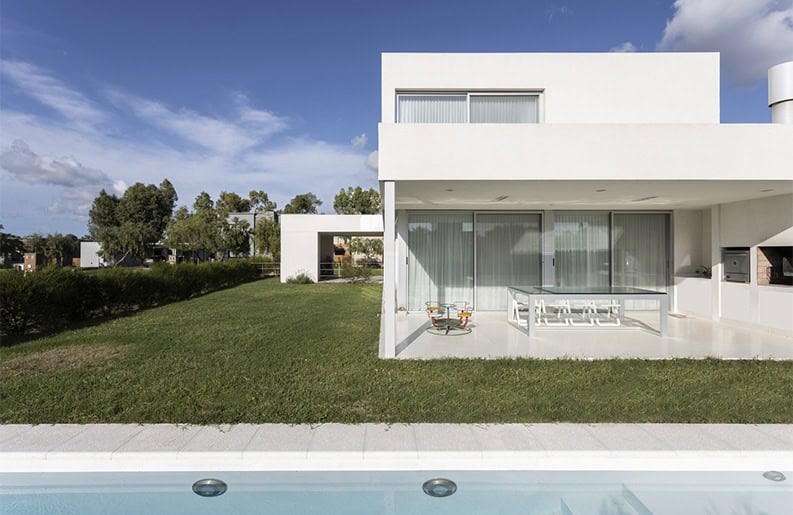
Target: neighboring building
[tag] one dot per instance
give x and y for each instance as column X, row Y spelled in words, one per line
column 32, row 261
column 581, row 170
column 89, row 255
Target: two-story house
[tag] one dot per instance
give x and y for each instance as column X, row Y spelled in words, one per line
column 582, row 170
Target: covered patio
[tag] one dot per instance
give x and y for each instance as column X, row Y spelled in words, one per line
column 492, row 337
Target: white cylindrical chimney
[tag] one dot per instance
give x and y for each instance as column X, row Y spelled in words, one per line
column 780, row 92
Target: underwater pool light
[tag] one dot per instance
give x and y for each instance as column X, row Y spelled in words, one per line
column 209, row 487
column 439, row 487
column 774, row 475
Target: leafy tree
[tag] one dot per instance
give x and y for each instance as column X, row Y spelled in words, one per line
column 306, row 203
column 267, row 237
column 102, row 214
column 261, row 202
column 11, row 246
column 61, row 248
column 357, row 201
column 35, row 243
column 236, row 237
column 369, row 247
column 230, row 202
column 207, row 231
column 203, row 202
column 129, row 225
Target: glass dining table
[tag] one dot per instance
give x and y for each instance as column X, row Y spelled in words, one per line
column 534, row 294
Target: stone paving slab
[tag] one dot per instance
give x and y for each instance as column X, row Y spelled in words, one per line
column 411, row 446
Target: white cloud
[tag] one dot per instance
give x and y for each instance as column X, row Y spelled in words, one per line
column 27, row 166
column 227, row 136
column 119, row 187
column 557, row 10
column 359, row 142
column 372, row 160
column 53, row 93
column 752, row 35
column 625, row 46
column 235, row 154
column 74, row 203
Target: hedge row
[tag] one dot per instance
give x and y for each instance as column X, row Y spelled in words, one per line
column 53, row 298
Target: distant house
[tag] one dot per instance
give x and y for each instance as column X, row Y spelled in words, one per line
column 33, row 261
column 91, row 257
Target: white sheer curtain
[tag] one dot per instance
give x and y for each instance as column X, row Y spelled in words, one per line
column 582, row 249
column 504, row 109
column 431, row 108
column 508, row 249
column 641, row 253
column 440, row 259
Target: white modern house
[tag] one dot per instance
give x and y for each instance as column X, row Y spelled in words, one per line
column 579, row 171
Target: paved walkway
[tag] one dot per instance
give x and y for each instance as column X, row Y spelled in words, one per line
column 168, row 447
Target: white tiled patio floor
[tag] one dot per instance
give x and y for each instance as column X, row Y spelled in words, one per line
column 493, row 337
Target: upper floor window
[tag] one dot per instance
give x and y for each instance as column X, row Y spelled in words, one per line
column 468, row 108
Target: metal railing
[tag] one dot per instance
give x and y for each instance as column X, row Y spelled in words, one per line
column 269, row 269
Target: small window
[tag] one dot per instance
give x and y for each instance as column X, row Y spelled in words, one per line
column 432, row 108
column 504, row 108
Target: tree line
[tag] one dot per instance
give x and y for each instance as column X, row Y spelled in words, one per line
column 146, row 214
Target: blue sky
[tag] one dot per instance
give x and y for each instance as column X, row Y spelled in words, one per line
column 284, row 96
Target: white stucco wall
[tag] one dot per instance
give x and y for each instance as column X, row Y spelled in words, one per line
column 577, row 87
column 300, row 238
column 758, row 222
column 89, row 255
column 585, row 151
column 752, row 223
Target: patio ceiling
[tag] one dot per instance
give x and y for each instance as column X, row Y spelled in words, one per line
column 606, row 194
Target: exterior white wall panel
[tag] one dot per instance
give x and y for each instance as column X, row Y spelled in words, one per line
column 577, row 87
column 585, row 151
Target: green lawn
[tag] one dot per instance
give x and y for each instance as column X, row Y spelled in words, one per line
column 271, row 352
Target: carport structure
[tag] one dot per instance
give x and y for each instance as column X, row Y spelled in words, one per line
column 307, row 240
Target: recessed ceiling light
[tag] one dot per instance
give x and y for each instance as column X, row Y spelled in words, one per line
column 439, row 487
column 774, row 475
column 209, row 487
column 502, row 197
column 645, row 198
column 766, row 191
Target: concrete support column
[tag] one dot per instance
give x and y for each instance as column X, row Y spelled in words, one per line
column 388, row 348
column 716, row 267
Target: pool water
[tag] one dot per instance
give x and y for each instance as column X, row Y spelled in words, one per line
column 400, row 492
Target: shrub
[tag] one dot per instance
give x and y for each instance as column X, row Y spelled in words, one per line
column 355, row 274
column 54, row 298
column 300, row 278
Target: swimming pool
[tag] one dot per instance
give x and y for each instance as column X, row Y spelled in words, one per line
column 353, row 493
column 373, row 468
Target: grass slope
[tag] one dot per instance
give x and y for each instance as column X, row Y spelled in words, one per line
column 271, row 352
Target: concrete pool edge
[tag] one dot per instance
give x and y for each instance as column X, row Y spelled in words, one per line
column 273, row 447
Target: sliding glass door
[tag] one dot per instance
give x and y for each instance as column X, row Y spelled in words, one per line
column 583, row 253
column 641, row 252
column 440, row 259
column 508, row 250
column 461, row 257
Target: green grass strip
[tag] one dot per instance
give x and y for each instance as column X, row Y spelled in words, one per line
column 271, row 352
